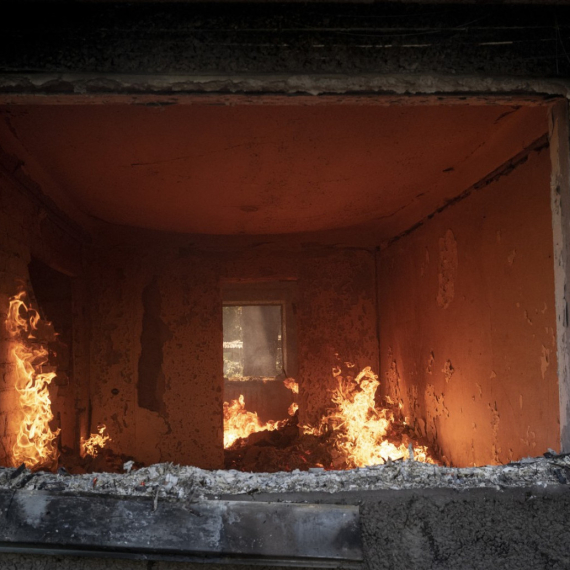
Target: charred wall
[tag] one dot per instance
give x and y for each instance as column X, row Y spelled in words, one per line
column 379, row 41
column 468, row 340
column 336, row 321
column 32, row 227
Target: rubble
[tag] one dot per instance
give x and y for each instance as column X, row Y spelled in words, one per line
column 191, row 484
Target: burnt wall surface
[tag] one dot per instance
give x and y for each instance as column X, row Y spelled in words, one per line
column 277, row 38
column 468, row 339
column 31, row 227
column 335, row 319
column 407, row 530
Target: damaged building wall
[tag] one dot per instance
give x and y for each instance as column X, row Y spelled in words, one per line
column 468, row 340
column 335, row 311
column 32, row 228
column 187, row 426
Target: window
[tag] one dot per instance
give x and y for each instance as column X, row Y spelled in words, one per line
column 253, row 342
column 259, row 331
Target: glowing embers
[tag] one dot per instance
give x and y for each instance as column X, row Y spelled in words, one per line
column 36, row 442
column 353, row 433
column 96, row 441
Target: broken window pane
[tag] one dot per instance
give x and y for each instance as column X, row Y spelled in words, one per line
column 252, row 341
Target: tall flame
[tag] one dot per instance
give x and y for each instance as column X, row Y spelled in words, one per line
column 36, row 443
column 359, row 429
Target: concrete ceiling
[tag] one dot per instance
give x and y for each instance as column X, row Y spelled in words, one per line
column 269, row 169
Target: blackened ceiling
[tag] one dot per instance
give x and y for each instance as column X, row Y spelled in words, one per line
column 214, row 38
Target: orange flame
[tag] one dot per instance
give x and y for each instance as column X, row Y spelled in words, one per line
column 359, row 429
column 292, row 410
column 36, row 444
column 239, row 423
column 290, row 384
column 96, row 441
column 360, row 434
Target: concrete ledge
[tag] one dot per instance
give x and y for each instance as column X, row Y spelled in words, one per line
column 279, row 89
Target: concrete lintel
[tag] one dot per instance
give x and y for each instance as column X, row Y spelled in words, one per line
column 560, row 201
column 154, row 89
column 286, row 533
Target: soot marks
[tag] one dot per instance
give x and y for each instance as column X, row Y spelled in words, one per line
column 154, row 334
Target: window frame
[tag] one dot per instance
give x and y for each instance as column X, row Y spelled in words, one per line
column 283, row 293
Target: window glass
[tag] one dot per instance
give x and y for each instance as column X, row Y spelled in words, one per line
column 253, row 343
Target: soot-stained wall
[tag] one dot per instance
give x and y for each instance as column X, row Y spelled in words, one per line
column 32, row 228
column 468, row 340
column 335, row 318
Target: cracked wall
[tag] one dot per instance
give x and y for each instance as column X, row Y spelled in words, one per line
column 468, row 340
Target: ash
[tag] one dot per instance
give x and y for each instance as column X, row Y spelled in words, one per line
column 183, row 483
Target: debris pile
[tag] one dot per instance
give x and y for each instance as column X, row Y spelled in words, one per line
column 174, row 482
column 354, row 432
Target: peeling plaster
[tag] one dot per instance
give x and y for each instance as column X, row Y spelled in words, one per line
column 544, row 361
column 393, row 378
column 495, row 420
column 436, row 410
column 448, row 371
column 511, row 257
column 484, row 332
column 447, row 269
column 431, row 361
column 151, row 380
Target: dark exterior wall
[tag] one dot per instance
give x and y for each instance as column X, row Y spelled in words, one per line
column 335, row 313
column 380, row 38
column 468, row 340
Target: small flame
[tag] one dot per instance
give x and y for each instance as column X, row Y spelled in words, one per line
column 96, row 441
column 36, row 443
column 293, row 409
column 239, row 423
column 290, row 384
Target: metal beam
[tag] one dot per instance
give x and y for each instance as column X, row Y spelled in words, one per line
column 210, row 531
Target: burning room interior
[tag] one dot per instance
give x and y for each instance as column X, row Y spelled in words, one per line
column 285, row 284
column 281, row 286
